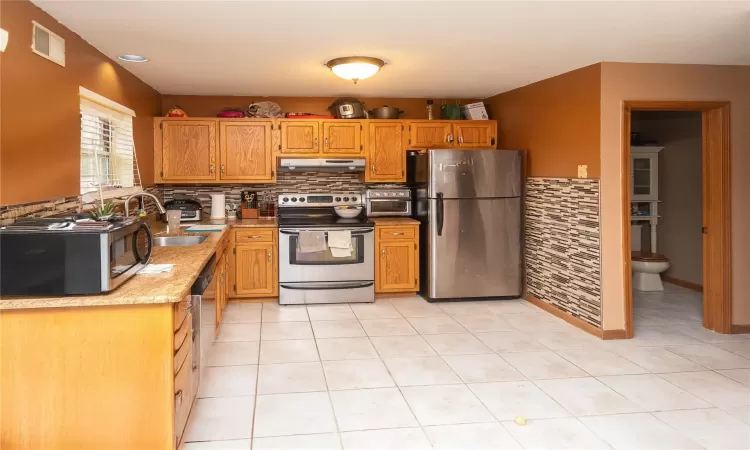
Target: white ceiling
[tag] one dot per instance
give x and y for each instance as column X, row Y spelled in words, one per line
column 432, row 48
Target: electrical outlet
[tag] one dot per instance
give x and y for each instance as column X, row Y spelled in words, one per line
column 583, row 171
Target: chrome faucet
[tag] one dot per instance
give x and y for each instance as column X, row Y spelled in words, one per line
column 143, row 194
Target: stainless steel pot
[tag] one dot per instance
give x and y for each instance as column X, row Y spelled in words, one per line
column 385, row 112
column 348, row 108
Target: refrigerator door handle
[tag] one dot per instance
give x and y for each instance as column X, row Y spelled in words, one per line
column 440, row 213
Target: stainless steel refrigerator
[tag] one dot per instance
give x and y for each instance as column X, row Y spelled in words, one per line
column 469, row 203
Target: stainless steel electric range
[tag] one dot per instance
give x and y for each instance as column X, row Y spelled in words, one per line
column 319, row 277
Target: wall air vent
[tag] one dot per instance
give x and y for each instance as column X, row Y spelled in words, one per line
column 47, row 44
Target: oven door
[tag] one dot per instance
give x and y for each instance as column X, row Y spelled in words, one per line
column 388, row 207
column 295, row 266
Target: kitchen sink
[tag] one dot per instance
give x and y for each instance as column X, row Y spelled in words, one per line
column 177, row 241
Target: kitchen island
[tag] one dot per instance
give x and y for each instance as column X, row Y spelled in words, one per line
column 105, row 371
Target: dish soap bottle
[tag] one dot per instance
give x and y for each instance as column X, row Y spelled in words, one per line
column 429, row 110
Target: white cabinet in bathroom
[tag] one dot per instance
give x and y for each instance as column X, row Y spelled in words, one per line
column 644, row 173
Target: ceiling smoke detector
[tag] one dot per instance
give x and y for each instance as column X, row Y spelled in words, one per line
column 355, row 68
column 133, row 58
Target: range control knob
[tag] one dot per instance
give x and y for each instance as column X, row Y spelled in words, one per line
column 346, row 199
column 294, row 199
column 285, row 199
column 402, row 194
column 338, row 199
column 354, row 199
column 302, row 199
column 377, row 194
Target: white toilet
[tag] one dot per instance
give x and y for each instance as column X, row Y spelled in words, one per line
column 646, row 266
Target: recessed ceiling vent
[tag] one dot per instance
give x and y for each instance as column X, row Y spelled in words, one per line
column 47, row 44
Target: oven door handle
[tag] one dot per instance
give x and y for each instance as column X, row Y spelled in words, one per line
column 318, row 287
column 354, row 232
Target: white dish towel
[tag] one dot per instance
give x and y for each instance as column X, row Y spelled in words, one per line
column 312, row 241
column 340, row 243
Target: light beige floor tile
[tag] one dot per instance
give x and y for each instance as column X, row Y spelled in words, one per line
column 711, row 357
column 436, row 325
column 369, row 409
column 327, row 441
column 240, row 314
column 302, row 350
column 381, row 309
column 357, row 374
column 507, row 400
column 653, row 393
column 586, row 396
column 234, row 332
column 661, row 336
column 228, row 381
column 658, row 360
column 233, row 353
column 290, row 377
column 393, row 439
column 244, row 304
column 738, row 348
column 483, row 368
column 705, row 335
column 221, row 418
column 711, row 387
column 567, row 339
column 337, row 329
column 273, row 312
column 601, row 362
column 421, row 371
column 387, row 327
column 346, row 348
column 401, row 346
column 463, row 308
column 484, row 323
column 543, row 365
column 510, row 341
column 410, row 307
column 456, row 344
column 277, row 331
column 637, row 431
column 740, row 412
column 502, row 307
column 290, row 414
column 740, row 375
column 555, row 434
column 445, row 405
column 240, row 444
column 475, row 436
column 535, row 322
column 330, row 312
column 711, row 428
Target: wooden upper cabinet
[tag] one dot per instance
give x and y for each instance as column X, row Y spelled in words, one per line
column 429, row 134
column 299, row 136
column 386, row 153
column 255, row 266
column 246, row 153
column 188, row 150
column 397, row 266
column 342, row 137
column 475, row 134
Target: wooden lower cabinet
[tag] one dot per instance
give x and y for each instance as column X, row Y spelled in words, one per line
column 397, row 258
column 255, row 265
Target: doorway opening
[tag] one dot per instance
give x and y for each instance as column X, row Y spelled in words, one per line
column 694, row 227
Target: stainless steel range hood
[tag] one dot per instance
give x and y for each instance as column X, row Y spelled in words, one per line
column 322, row 165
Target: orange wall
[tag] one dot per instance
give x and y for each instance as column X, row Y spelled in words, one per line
column 623, row 82
column 208, row 106
column 555, row 120
column 39, row 106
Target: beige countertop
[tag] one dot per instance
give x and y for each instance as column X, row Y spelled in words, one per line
column 386, row 221
column 157, row 288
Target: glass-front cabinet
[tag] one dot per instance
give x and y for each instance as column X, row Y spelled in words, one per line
column 644, row 173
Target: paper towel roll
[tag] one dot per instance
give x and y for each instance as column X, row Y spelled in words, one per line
column 217, row 206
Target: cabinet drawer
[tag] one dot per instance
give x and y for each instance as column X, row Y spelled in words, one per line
column 396, row 233
column 182, row 397
column 254, row 235
column 181, row 310
column 182, row 342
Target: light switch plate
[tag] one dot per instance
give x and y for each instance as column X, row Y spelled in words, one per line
column 583, row 171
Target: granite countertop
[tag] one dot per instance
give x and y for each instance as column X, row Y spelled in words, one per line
column 386, row 221
column 156, row 288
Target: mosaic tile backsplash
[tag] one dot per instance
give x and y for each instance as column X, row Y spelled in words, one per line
column 563, row 252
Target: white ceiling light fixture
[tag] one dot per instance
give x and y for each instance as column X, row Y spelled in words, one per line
column 355, row 68
column 133, row 58
column 3, row 39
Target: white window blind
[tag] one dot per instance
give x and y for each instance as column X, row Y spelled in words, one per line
column 108, row 160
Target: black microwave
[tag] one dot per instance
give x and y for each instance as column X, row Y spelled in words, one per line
column 75, row 260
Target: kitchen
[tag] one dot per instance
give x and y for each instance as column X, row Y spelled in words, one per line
column 249, row 332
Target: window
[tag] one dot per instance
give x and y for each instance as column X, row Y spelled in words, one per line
column 108, row 162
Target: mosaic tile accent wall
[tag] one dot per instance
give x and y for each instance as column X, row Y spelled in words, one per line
column 563, row 252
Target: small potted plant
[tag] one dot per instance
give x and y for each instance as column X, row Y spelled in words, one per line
column 104, row 212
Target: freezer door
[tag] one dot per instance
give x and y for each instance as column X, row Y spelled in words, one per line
column 474, row 248
column 475, row 173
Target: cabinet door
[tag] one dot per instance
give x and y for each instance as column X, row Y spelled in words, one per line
column 246, row 153
column 299, row 136
column 474, row 134
column 644, row 179
column 188, row 150
column 386, row 154
column 430, row 134
column 342, row 137
column 256, row 269
column 396, row 267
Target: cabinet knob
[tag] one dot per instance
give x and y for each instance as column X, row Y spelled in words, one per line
column 382, row 252
column 397, row 234
column 212, row 168
column 460, row 139
column 315, row 143
column 325, row 142
column 372, row 169
column 269, row 256
column 222, row 168
column 178, row 397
